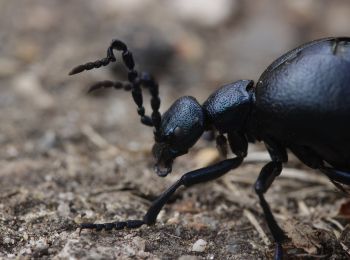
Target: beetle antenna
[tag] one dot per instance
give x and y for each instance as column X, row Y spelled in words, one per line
column 91, row 65
column 110, row 84
column 134, row 84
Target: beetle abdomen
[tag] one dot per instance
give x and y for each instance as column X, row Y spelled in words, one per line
column 303, row 98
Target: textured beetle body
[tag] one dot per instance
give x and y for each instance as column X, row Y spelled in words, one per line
column 221, row 107
column 301, row 103
column 303, row 99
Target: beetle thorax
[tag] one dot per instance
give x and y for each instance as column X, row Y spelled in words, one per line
column 228, row 108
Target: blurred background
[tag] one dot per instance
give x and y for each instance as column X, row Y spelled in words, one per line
column 68, row 157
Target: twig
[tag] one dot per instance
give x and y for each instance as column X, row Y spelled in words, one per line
column 257, row 226
column 330, row 227
column 241, row 200
column 257, row 157
column 304, row 210
column 345, row 248
column 336, row 223
column 96, row 138
column 171, row 235
column 302, row 193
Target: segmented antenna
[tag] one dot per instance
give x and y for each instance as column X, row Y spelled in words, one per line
column 134, row 84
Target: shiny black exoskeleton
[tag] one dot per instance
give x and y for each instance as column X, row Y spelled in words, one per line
column 301, row 103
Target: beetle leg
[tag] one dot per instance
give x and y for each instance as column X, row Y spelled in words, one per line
column 267, row 175
column 194, row 177
column 335, row 175
column 277, row 152
column 337, row 178
column 238, row 143
column 307, row 156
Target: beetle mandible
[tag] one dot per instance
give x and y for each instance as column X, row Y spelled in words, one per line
column 301, row 102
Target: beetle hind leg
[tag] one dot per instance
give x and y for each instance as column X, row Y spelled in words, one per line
column 338, row 178
column 311, row 159
column 336, row 175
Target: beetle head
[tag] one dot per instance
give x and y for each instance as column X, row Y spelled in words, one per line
column 181, row 126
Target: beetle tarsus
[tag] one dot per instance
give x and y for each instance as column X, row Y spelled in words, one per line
column 191, row 178
column 129, row 224
column 278, row 251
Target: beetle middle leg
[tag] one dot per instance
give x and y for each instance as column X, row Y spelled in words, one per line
column 194, row 177
column 267, row 175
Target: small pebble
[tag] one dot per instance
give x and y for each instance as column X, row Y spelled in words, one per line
column 41, row 244
column 210, row 257
column 25, row 236
column 7, row 240
column 199, row 245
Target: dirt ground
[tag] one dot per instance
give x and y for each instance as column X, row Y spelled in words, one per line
column 67, row 157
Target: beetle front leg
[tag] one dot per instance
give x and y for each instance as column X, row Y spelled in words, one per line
column 194, row 177
column 238, row 143
column 267, row 175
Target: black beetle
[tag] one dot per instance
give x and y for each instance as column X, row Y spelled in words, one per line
column 301, row 103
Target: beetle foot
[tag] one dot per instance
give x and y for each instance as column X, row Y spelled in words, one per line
column 129, row 224
column 278, row 252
